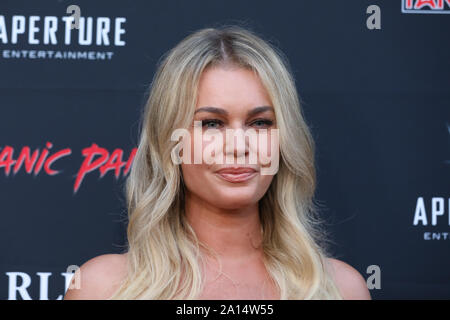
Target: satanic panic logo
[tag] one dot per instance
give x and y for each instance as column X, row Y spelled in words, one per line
column 95, row 158
column 426, row 6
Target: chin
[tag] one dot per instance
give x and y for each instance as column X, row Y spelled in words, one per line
column 235, row 199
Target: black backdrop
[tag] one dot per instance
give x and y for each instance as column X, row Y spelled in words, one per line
column 377, row 101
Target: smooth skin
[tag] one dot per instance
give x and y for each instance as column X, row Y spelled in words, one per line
column 100, row 277
column 223, row 214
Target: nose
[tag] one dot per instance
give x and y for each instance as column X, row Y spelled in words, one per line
column 236, row 145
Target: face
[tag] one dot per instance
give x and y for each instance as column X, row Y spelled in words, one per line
column 231, row 100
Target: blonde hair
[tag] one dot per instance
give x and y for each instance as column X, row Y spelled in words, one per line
column 163, row 250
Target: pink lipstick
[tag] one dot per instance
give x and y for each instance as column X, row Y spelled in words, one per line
column 235, row 175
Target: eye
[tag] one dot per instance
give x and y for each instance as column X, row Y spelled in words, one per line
column 212, row 123
column 262, row 123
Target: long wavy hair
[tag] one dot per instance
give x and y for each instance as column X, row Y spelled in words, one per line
column 163, row 251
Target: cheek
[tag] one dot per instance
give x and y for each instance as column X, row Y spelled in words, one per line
column 196, row 172
column 193, row 175
column 265, row 147
column 264, row 183
column 202, row 147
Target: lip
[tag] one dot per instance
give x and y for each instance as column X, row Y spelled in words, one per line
column 236, row 175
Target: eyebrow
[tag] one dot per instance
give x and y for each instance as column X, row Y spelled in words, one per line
column 252, row 112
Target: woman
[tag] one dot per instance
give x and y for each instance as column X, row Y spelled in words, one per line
column 215, row 230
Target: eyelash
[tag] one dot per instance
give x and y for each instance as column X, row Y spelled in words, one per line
column 266, row 122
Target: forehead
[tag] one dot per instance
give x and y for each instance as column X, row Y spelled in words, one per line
column 231, row 88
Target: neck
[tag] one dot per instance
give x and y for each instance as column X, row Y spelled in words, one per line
column 234, row 234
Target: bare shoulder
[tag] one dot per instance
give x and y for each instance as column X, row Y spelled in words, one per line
column 350, row 282
column 98, row 277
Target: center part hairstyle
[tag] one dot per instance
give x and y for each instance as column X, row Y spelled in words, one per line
column 164, row 260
